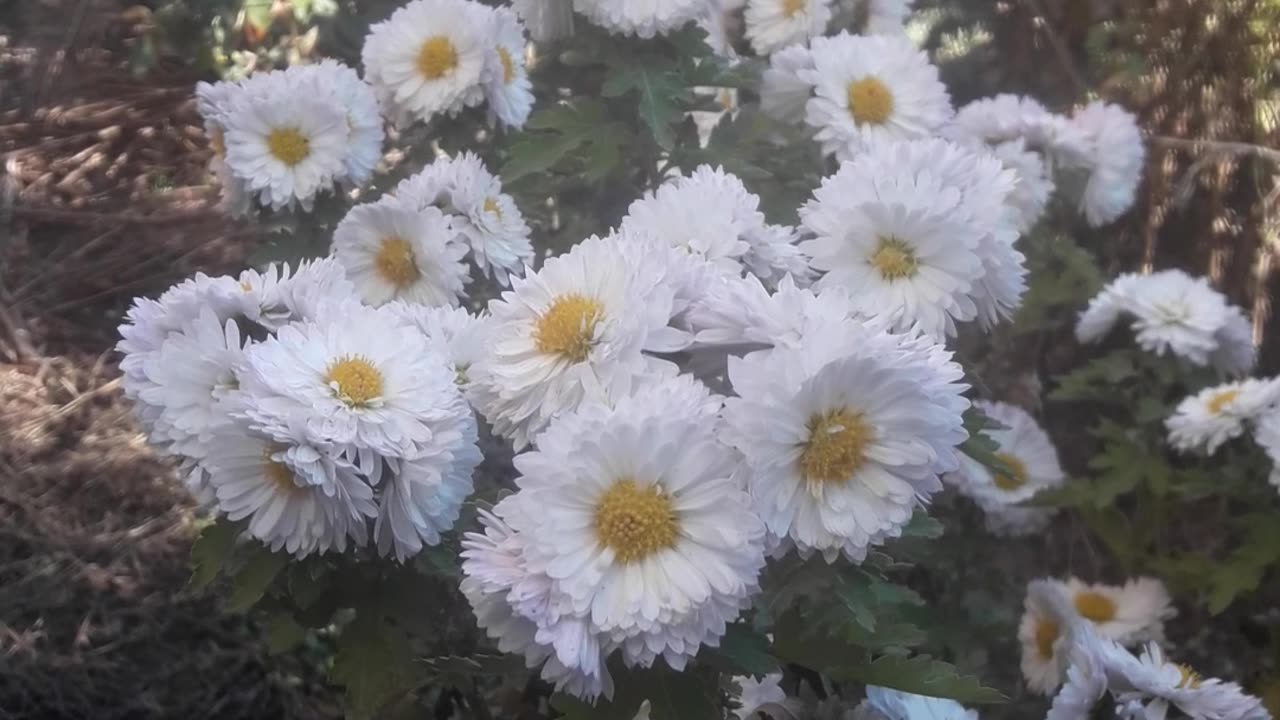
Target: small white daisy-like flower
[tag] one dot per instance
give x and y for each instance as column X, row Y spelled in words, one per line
column 282, row 296
column 872, row 89
column 786, row 84
column 902, row 238
column 257, row 477
column 1128, row 614
column 845, row 436
column 392, row 251
column 286, row 148
column 459, row 336
column 1034, row 186
column 575, row 331
column 1007, row 117
column 1031, row 464
column 776, row 24
column 429, row 57
column 1214, row 415
column 753, row 695
column 1045, row 633
column 1117, row 161
column 364, row 117
column 1151, row 684
column 506, row 86
column 356, row 378
column 888, row 704
column 644, row 18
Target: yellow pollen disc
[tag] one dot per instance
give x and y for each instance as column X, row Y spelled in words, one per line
column 1220, row 400
column 568, row 327
column 491, row 206
column 1046, row 636
column 288, row 145
column 436, row 57
column 791, row 8
column 355, row 381
column 895, row 259
column 1016, row 477
column 836, row 447
column 870, row 102
column 278, row 473
column 1095, row 606
column 508, row 68
column 395, row 262
column 635, row 521
column 1190, row 678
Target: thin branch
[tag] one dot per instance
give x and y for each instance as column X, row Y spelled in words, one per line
column 1059, row 47
column 1216, row 147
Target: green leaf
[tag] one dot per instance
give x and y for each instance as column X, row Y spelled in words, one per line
column 689, row 695
column 1097, row 379
column 743, row 651
column 374, row 663
column 283, row 633
column 659, row 92
column 560, row 133
column 210, row 551
column 921, row 675
column 252, row 581
column 1243, row 571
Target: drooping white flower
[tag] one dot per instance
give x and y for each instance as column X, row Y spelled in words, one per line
column 1214, row 415
column 775, row 24
column 547, row 19
column 575, row 331
column 1131, row 613
column 429, row 57
column 506, row 86
column 1152, row 685
column 784, row 89
column 1086, row 681
column 872, row 89
column 1032, row 466
column 644, row 18
column 1045, row 634
column 1006, row 117
column 901, row 227
column 1117, row 155
column 888, row 704
column 845, row 436
column 393, row 251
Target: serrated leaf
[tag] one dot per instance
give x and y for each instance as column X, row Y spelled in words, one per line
column 555, row 134
column 374, row 664
column 659, row 94
column 921, row 675
column 253, row 579
column 283, row 633
column 743, row 651
column 689, row 695
column 1097, row 379
column 1244, row 569
column 210, row 552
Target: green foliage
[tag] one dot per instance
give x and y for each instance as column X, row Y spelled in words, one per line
column 574, row 139
column 689, row 695
column 210, row 552
column 374, row 663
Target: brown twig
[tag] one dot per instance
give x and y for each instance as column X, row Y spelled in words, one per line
column 1216, row 147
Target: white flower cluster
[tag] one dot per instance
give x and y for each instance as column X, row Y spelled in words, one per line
column 1176, row 313
column 1074, row 637
column 435, row 57
column 296, row 409
column 551, row 19
column 410, row 245
column 1030, row 466
column 284, row 136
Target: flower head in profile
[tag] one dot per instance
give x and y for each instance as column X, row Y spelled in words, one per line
column 1130, row 613
column 776, row 24
column 1215, row 415
column 1046, row 633
column 1006, row 117
column 506, row 85
column 1116, row 161
column 787, row 84
column 1151, row 684
column 644, row 18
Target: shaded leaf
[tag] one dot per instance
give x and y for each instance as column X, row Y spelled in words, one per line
column 210, row 552
column 743, row 651
column 659, row 93
column 374, row 663
column 252, row 581
column 283, row 633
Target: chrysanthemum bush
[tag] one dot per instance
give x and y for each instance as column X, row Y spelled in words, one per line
column 628, row 358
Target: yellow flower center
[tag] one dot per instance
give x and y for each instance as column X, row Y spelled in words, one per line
column 870, row 102
column 395, row 262
column 436, row 57
column 1190, row 679
column 895, row 259
column 278, row 473
column 508, row 68
column 635, row 521
column 491, row 206
column 1016, row 476
column 355, row 381
column 1220, row 400
column 1046, row 636
column 836, row 447
column 791, row 8
column 288, row 145
column 1095, row 606
column 568, row 327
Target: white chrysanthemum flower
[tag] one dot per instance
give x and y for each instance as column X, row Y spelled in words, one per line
column 775, row 24
column 1128, row 614
column 784, row 89
column 281, row 296
column 845, row 436
column 1032, row 466
column 286, row 148
column 1007, row 117
column 774, row 254
column 364, row 118
column 357, row 378
column 1117, row 161
column 1214, row 415
column 754, row 694
column 1045, row 633
column 483, row 215
column 429, row 57
column 392, row 251
column 888, row 704
column 643, row 526
column 1151, row 684
column 1105, row 308
column 506, row 86
column 1034, row 186
column 1086, row 681
column 900, row 237
column 644, row 18
column 872, row 89
column 547, row 19
column 295, row 497
column 1267, row 434
column 460, row 337
column 575, row 331
column 742, row 312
